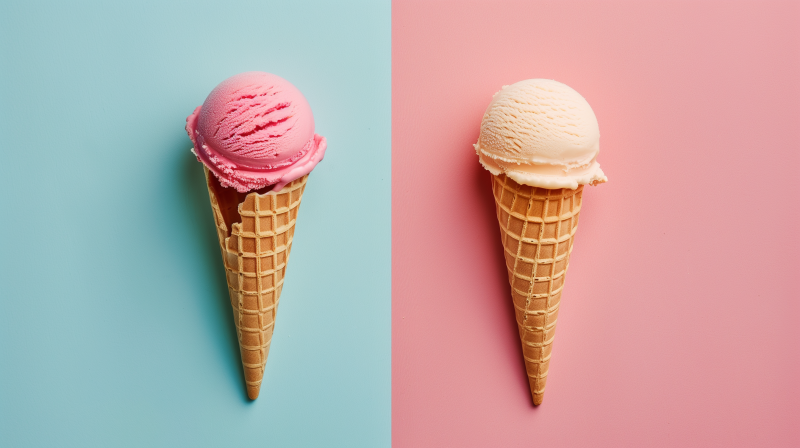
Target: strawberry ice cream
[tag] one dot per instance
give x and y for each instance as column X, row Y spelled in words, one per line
column 254, row 130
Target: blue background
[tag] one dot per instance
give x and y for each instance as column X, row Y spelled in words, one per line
column 115, row 325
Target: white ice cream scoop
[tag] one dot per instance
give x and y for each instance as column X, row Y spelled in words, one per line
column 542, row 133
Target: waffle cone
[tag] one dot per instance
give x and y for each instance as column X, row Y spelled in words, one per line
column 537, row 227
column 255, row 233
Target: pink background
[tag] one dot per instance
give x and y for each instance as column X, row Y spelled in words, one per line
column 679, row 320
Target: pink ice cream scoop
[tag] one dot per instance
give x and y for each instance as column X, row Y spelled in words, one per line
column 255, row 129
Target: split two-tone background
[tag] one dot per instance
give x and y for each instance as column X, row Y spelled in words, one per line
column 680, row 324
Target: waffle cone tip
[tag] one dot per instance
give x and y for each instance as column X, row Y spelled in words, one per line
column 252, row 391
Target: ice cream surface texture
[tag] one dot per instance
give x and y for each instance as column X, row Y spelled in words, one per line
column 254, row 130
column 541, row 133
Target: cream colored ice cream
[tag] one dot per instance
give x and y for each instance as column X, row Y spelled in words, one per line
column 542, row 133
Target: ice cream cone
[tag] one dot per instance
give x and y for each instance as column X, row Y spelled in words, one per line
column 537, row 227
column 255, row 233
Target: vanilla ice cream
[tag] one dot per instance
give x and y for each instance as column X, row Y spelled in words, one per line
column 542, row 133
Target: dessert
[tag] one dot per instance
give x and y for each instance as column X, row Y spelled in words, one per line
column 539, row 139
column 255, row 136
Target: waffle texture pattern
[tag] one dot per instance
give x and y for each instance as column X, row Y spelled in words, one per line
column 537, row 228
column 255, row 252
